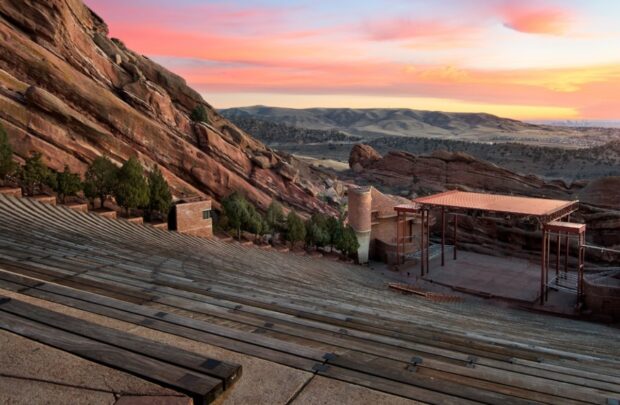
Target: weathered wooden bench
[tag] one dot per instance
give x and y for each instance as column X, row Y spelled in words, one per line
column 202, row 379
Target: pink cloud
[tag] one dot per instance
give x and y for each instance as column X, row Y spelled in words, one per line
column 536, row 20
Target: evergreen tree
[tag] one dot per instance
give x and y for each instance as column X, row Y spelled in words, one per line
column 199, row 114
column 100, row 179
column 132, row 190
column 296, row 230
column 317, row 231
column 334, row 230
column 275, row 217
column 7, row 165
column 235, row 209
column 160, row 197
column 67, row 184
column 35, row 174
column 348, row 243
column 255, row 222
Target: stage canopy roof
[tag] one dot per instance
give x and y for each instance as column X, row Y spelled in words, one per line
column 545, row 209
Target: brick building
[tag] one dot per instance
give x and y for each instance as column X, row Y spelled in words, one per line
column 192, row 218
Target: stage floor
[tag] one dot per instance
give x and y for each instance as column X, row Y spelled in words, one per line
column 504, row 277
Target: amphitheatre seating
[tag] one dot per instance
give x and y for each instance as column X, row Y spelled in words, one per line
column 201, row 379
column 334, row 320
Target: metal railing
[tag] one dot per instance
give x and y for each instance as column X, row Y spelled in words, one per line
column 601, row 249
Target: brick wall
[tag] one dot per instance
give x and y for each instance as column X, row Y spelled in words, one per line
column 15, row 192
column 188, row 219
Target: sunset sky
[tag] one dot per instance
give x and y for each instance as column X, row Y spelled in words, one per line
column 524, row 59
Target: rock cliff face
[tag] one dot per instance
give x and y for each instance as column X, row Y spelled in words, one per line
column 402, row 172
column 72, row 93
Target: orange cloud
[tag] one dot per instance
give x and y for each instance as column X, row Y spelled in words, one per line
column 549, row 21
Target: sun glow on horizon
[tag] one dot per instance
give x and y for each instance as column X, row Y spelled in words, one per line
column 515, row 111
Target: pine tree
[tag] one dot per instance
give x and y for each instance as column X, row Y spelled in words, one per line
column 67, row 184
column 100, row 179
column 334, row 230
column 132, row 190
column 275, row 217
column 296, row 230
column 317, row 231
column 35, row 173
column 7, row 165
column 160, row 196
column 235, row 209
column 348, row 243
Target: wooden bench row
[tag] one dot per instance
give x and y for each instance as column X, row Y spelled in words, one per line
column 202, row 379
column 293, row 311
column 513, row 387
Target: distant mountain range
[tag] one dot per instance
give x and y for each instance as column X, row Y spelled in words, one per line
column 561, row 151
column 370, row 124
column 379, row 122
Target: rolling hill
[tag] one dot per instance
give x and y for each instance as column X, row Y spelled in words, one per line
column 381, row 122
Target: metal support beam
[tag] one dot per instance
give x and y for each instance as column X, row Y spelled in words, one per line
column 547, row 268
column 428, row 243
column 398, row 261
column 422, row 243
column 543, row 253
column 558, row 253
column 443, row 236
column 456, row 226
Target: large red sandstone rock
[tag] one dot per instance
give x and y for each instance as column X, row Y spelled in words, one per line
column 362, row 156
column 71, row 93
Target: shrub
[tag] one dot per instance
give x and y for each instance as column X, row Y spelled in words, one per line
column 199, row 114
column 67, row 184
column 35, row 174
column 100, row 179
column 296, row 230
column 132, row 190
column 160, row 198
column 7, row 165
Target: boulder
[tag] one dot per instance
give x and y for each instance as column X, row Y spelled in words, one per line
column 362, row 156
column 262, row 161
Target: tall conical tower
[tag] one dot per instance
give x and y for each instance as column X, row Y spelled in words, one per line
column 360, row 207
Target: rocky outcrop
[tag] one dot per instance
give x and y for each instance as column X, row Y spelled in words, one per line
column 399, row 171
column 70, row 92
column 362, row 156
column 402, row 172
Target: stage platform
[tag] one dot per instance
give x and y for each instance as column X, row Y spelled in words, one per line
column 490, row 276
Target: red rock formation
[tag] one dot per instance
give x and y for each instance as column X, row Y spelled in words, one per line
column 362, row 156
column 399, row 172
column 72, row 93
